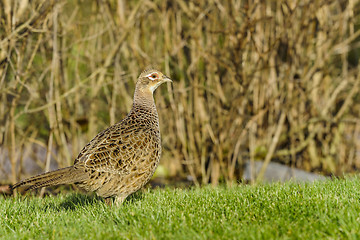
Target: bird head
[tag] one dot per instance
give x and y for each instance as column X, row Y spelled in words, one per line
column 150, row 79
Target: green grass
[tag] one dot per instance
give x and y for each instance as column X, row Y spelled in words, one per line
column 323, row 210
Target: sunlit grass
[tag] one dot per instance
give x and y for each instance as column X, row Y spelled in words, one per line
column 310, row 211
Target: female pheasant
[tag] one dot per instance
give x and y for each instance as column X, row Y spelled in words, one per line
column 121, row 159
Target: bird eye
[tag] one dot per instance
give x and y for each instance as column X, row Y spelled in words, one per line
column 153, row 76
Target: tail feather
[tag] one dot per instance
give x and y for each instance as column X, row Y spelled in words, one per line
column 66, row 175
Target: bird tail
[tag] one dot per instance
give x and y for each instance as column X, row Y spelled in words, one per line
column 66, row 175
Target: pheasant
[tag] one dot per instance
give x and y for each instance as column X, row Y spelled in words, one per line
column 121, row 159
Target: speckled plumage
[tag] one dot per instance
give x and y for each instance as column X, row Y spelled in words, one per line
column 121, row 159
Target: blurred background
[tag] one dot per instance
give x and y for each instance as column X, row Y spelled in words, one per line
column 255, row 83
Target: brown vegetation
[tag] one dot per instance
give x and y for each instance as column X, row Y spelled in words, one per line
column 259, row 80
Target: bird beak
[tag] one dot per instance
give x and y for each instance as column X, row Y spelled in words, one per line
column 166, row 79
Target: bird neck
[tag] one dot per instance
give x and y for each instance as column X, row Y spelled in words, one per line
column 144, row 100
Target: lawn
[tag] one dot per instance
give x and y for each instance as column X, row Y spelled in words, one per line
column 322, row 210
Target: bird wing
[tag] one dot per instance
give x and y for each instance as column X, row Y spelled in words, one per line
column 114, row 150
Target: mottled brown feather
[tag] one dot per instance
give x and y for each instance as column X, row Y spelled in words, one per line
column 121, row 159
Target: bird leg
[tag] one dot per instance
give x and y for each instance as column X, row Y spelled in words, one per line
column 108, row 201
column 119, row 200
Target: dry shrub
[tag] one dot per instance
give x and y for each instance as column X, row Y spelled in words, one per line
column 270, row 80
